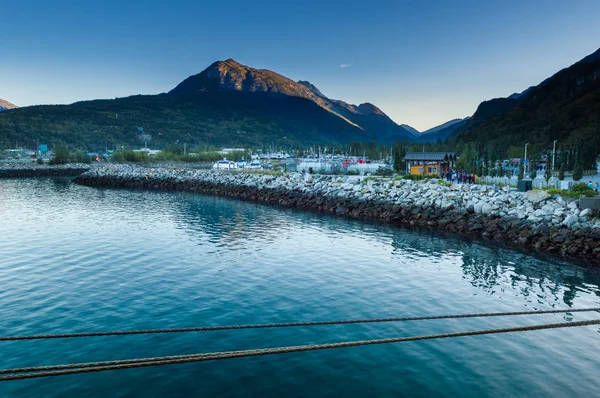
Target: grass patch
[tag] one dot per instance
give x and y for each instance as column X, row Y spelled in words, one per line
column 580, row 189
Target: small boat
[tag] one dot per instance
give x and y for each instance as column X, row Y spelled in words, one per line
column 224, row 164
column 254, row 165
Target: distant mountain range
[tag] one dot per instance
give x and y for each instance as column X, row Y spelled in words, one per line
column 231, row 76
column 446, row 128
column 230, row 104
column 225, row 105
column 4, row 105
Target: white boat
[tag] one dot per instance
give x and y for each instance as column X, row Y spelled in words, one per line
column 224, row 164
column 254, row 165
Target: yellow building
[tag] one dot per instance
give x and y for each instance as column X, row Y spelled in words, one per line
column 438, row 163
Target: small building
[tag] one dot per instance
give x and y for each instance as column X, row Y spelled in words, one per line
column 227, row 151
column 148, row 151
column 429, row 162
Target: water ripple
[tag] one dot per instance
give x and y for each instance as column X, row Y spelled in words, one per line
column 76, row 259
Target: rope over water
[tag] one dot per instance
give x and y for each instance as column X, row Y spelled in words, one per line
column 69, row 369
column 282, row 325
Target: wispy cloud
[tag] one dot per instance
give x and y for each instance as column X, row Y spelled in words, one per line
column 343, row 66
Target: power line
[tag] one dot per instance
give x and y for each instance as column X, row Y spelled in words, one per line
column 118, row 365
column 282, row 325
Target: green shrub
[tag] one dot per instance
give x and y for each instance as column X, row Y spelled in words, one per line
column 40, row 161
column 128, row 156
column 81, row 157
column 556, row 191
column 417, row 177
column 582, row 189
column 577, row 190
column 384, row 172
column 61, row 155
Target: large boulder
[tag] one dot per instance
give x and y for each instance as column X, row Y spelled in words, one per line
column 537, row 196
column 570, row 220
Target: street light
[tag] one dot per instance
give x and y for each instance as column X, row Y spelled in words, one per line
column 553, row 156
column 526, row 159
column 553, row 153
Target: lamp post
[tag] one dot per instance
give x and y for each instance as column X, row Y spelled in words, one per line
column 553, row 156
column 553, row 153
column 526, row 159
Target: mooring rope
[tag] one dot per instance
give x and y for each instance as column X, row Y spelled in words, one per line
column 283, row 325
column 145, row 362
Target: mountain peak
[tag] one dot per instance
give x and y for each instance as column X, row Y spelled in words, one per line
column 230, row 75
column 369, row 108
column 4, row 105
column 312, row 88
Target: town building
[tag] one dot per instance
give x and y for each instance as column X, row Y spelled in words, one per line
column 429, row 162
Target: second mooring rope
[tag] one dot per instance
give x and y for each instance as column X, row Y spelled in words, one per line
column 282, row 325
column 69, row 369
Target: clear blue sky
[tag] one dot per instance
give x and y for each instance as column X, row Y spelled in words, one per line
column 421, row 62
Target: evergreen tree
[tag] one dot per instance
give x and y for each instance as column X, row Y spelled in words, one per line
column 399, row 166
column 533, row 165
column 521, row 171
column 479, row 170
column 485, row 168
column 61, row 155
column 577, row 171
column 561, row 173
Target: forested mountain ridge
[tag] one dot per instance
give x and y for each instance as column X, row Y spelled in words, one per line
column 228, row 104
column 220, row 119
column 564, row 107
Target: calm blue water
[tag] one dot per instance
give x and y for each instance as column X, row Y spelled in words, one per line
column 74, row 258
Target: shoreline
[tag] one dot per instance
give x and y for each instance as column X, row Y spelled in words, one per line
column 22, row 169
column 534, row 221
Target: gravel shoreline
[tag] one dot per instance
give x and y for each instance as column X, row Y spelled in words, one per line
column 533, row 220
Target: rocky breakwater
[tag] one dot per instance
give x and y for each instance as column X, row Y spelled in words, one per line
column 533, row 220
column 38, row 170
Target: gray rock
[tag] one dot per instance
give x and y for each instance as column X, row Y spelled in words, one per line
column 586, row 213
column 486, row 208
column 537, row 196
column 570, row 220
column 540, row 213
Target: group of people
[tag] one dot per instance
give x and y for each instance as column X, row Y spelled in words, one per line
column 595, row 187
column 460, row 177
